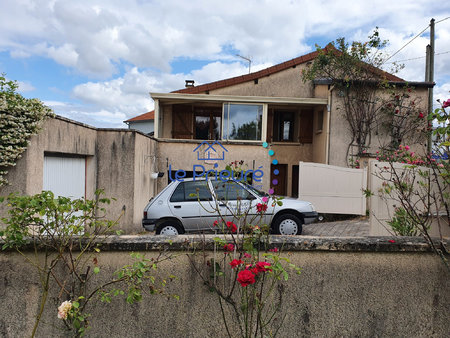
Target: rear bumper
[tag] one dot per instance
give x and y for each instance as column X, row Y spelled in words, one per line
column 310, row 217
column 149, row 224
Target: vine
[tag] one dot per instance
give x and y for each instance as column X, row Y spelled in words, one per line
column 20, row 118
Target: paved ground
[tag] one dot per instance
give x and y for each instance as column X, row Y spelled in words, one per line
column 350, row 228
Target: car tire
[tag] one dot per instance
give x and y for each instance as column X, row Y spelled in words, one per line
column 169, row 228
column 288, row 224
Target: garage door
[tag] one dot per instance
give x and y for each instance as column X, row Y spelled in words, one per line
column 65, row 176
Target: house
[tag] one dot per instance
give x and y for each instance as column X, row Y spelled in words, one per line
column 270, row 119
column 264, row 123
column 143, row 123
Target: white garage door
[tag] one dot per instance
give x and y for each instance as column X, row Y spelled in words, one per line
column 65, row 176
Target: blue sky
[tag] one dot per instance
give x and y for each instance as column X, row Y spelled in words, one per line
column 96, row 61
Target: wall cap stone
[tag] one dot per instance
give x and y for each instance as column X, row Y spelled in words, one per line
column 286, row 243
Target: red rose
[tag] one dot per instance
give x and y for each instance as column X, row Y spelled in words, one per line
column 216, row 223
column 262, row 267
column 261, row 207
column 245, row 277
column 232, row 227
column 446, row 104
column 273, row 250
column 391, row 241
column 235, row 262
column 228, row 247
column 421, row 115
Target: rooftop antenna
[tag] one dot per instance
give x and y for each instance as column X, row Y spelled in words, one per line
column 248, row 60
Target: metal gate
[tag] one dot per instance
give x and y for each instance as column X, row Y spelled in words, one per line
column 332, row 189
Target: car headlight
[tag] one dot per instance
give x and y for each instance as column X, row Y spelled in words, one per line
column 312, row 207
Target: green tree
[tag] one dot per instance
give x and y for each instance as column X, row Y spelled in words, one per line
column 356, row 75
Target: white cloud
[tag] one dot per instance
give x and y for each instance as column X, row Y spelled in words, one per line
column 101, row 38
column 128, row 96
column 25, row 86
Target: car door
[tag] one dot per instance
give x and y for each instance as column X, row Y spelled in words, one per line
column 236, row 203
column 184, row 203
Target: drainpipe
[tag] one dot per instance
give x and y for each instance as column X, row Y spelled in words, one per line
column 327, row 150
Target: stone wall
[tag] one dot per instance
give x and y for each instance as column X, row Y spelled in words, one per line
column 359, row 287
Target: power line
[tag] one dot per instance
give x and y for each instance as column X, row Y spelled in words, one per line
column 417, row 58
column 406, row 44
column 448, row 17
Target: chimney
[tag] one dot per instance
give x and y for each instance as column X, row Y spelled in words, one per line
column 189, row 83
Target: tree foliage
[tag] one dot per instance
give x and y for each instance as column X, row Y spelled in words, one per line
column 369, row 103
column 20, row 118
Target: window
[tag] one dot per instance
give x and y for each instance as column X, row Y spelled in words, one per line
column 242, row 121
column 207, row 123
column 231, row 191
column 185, row 192
column 284, row 125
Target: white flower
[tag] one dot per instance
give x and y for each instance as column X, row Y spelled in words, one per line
column 63, row 309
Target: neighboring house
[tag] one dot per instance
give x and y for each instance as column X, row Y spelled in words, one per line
column 299, row 121
column 144, row 123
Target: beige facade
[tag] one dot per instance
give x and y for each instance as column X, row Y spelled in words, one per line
column 118, row 161
column 320, row 132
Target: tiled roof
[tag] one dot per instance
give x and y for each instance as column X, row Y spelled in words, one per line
column 268, row 71
column 147, row 116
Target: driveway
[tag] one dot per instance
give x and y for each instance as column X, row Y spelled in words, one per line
column 351, row 228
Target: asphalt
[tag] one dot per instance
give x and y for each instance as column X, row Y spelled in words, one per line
column 358, row 227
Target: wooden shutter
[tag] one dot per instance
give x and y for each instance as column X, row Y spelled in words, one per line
column 306, row 126
column 270, row 126
column 182, row 121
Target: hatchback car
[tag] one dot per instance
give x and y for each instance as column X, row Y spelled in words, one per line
column 194, row 205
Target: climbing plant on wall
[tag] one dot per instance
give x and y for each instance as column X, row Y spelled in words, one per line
column 20, row 118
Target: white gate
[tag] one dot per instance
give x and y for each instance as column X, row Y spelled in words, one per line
column 332, row 189
column 65, row 176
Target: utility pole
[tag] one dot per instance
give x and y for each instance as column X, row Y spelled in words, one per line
column 429, row 77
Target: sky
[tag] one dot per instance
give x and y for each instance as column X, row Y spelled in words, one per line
column 96, row 61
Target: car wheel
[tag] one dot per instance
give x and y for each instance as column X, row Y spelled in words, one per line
column 288, row 225
column 169, row 228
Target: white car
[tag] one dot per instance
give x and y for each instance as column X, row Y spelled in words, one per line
column 194, row 205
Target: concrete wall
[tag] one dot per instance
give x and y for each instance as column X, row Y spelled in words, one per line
column 347, row 288
column 119, row 161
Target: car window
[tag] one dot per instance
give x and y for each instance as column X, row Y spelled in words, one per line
column 230, row 191
column 187, row 191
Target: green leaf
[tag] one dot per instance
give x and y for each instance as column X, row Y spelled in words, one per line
column 96, row 270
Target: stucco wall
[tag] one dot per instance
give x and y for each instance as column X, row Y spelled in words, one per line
column 340, row 135
column 117, row 161
column 58, row 136
column 180, row 155
column 287, row 83
column 384, row 290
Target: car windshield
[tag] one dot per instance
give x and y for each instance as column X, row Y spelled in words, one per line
column 256, row 191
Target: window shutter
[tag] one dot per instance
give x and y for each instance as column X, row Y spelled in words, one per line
column 306, row 126
column 270, row 126
column 182, row 121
